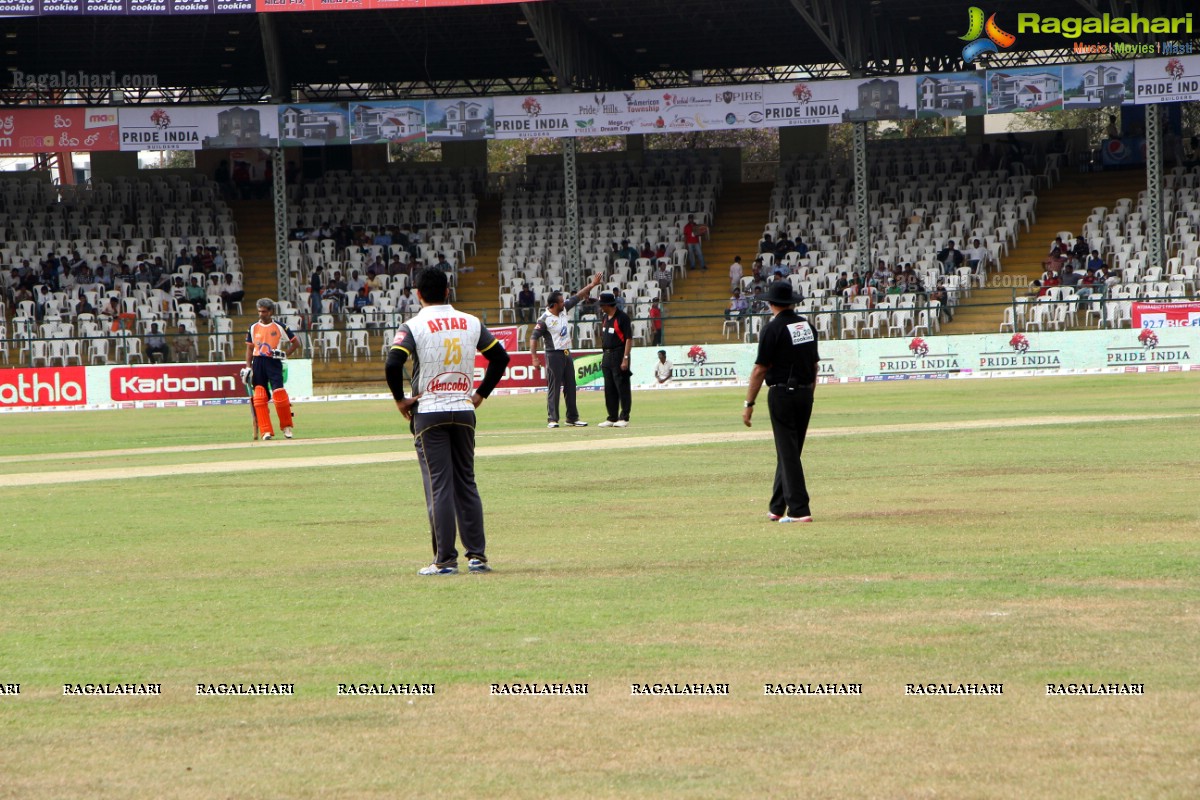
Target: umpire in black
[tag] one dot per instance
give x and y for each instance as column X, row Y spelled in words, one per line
column 787, row 362
column 616, row 338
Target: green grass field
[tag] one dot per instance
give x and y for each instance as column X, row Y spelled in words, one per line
column 1015, row 531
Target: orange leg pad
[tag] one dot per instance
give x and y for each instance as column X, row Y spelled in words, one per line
column 262, row 411
column 283, row 407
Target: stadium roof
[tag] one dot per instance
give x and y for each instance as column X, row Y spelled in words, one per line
column 553, row 45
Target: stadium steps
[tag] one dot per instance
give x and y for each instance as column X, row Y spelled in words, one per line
column 695, row 314
column 256, row 246
column 1065, row 207
column 478, row 291
column 476, row 294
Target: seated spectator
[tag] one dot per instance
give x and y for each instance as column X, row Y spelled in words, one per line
column 406, row 303
column 977, row 257
column 737, row 304
column 525, row 303
column 663, row 275
column 647, row 251
column 84, row 307
column 951, row 258
column 766, row 245
column 362, row 298
column 185, row 345
column 396, row 267
column 1095, row 262
column 231, row 289
column 335, row 296
column 355, row 282
column 156, row 344
column 196, row 295
column 882, row 273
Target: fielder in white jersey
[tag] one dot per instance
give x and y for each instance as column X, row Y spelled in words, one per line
column 554, row 328
column 442, row 343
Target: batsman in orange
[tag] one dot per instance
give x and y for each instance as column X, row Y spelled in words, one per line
column 265, row 353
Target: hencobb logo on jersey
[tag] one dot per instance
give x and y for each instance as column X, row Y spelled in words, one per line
column 28, row 388
column 450, row 383
column 175, row 382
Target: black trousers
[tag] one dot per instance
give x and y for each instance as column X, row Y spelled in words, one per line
column 445, row 443
column 560, row 379
column 790, row 413
column 617, row 393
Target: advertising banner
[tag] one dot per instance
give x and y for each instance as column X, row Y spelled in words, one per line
column 136, row 386
column 507, row 336
column 1165, row 315
column 1167, row 80
column 40, row 130
column 521, row 374
column 314, row 124
column 462, row 119
column 387, row 121
column 33, row 8
column 198, row 127
column 549, row 116
column 787, row 105
column 941, row 357
column 43, row 388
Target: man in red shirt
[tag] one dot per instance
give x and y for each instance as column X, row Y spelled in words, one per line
column 691, row 237
column 656, row 321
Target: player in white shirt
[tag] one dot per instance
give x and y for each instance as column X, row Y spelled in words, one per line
column 442, row 343
column 554, row 327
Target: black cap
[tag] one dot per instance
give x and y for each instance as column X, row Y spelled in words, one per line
column 607, row 299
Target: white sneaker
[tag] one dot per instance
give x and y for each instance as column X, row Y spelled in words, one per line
column 795, row 519
column 266, row 437
column 551, row 424
column 621, row 423
column 287, row 432
column 577, row 424
column 608, row 423
column 434, row 569
column 476, row 565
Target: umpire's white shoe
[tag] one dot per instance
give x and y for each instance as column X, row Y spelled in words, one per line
column 621, row 423
column 551, row 424
column 475, row 565
column 795, row 519
column 608, row 423
column 266, row 437
column 287, row 432
column 434, row 569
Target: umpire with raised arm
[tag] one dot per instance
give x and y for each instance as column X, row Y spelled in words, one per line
column 787, row 363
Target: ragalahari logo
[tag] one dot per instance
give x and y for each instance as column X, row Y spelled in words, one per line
column 983, row 37
column 918, row 347
column 1148, row 339
column 697, row 355
column 1019, row 343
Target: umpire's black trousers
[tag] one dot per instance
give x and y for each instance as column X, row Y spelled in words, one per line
column 617, row 392
column 790, row 413
column 445, row 442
